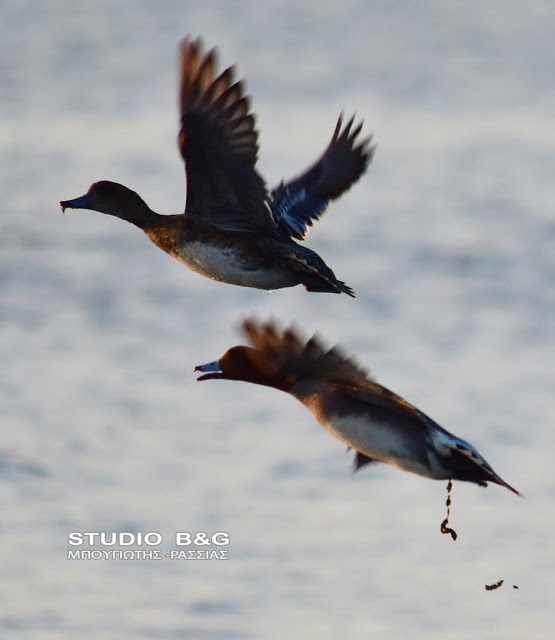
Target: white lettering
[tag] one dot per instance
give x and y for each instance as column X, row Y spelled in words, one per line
column 104, row 540
column 220, row 538
column 91, row 535
column 75, row 538
column 182, row 539
column 152, row 534
column 201, row 539
column 126, row 539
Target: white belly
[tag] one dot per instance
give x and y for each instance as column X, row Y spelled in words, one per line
column 226, row 265
column 377, row 440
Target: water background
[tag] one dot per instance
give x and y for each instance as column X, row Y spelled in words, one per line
column 448, row 241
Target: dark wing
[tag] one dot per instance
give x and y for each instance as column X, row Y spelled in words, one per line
column 373, row 393
column 218, row 142
column 290, row 355
column 297, row 204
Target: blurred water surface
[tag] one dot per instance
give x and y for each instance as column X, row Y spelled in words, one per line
column 448, row 242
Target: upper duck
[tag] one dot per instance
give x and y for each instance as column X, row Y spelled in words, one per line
column 234, row 230
column 378, row 424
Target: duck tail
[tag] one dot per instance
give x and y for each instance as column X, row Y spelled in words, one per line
column 322, row 285
column 479, row 471
column 312, row 272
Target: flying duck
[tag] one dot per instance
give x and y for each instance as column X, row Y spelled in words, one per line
column 376, row 423
column 233, row 229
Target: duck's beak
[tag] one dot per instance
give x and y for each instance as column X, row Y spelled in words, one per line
column 213, row 367
column 77, row 203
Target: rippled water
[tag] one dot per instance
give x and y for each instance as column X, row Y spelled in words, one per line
column 448, row 242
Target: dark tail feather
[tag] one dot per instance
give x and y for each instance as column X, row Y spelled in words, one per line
column 469, row 467
column 322, row 285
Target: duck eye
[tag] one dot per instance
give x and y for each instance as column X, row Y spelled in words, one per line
column 103, row 188
column 234, row 355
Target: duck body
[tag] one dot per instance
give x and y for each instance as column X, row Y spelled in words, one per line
column 368, row 428
column 375, row 422
column 246, row 259
column 233, row 229
column 408, row 440
column 236, row 260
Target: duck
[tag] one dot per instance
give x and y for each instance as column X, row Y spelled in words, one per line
column 378, row 424
column 234, row 230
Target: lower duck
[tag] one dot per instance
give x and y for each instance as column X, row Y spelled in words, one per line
column 376, row 423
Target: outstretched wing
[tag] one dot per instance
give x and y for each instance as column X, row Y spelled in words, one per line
column 218, row 142
column 289, row 354
column 297, row 204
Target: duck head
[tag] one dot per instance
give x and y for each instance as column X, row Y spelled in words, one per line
column 246, row 364
column 113, row 199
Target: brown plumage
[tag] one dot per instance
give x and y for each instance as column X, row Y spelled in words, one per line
column 369, row 418
column 234, row 230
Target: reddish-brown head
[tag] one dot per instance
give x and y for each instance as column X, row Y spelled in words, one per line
column 247, row 364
